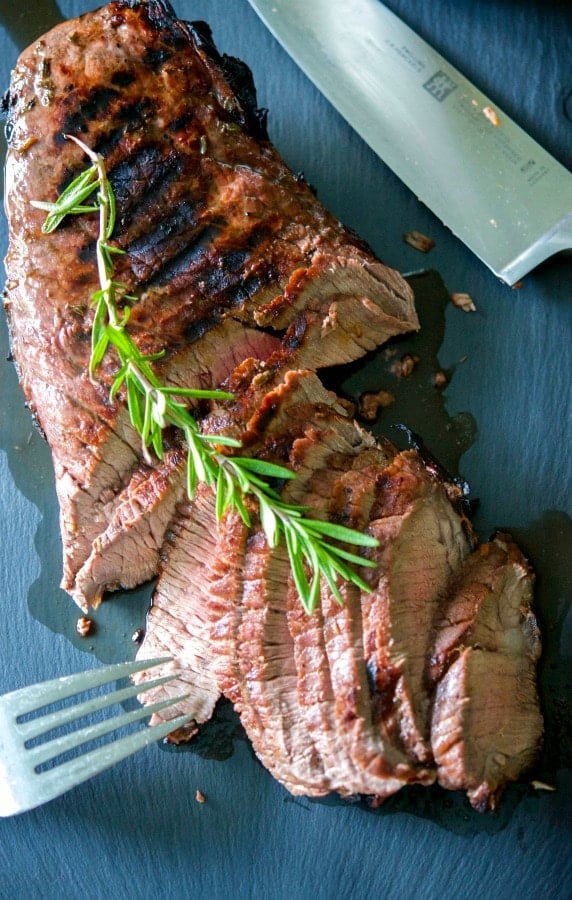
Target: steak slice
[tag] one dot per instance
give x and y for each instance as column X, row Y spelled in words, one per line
column 260, row 667
column 486, row 725
column 221, row 239
column 423, row 539
column 178, row 624
column 127, row 552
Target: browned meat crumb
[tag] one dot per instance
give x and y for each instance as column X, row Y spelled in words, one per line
column 419, row 241
column 370, row 403
column 200, row 797
column 440, row 379
column 464, row 301
column 84, row 626
column 348, row 405
column 404, row 367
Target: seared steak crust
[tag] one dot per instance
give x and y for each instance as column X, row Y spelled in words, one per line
column 214, row 224
column 247, row 282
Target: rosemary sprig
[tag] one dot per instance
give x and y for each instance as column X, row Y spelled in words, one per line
column 313, row 546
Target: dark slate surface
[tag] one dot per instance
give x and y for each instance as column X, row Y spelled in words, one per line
column 505, row 421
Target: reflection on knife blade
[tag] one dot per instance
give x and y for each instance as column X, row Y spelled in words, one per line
column 498, row 190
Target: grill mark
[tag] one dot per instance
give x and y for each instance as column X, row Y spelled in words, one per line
column 94, row 106
column 140, row 181
column 154, row 58
column 204, row 268
column 198, row 328
column 122, row 79
column 181, row 271
column 246, row 288
column 130, row 177
column 149, row 253
column 131, row 117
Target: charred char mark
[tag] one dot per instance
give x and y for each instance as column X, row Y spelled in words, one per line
column 195, row 330
column 181, row 271
column 95, row 105
column 182, row 123
column 140, row 182
column 159, row 14
column 212, row 271
column 245, row 289
column 155, row 57
column 241, row 81
column 5, row 104
column 225, row 274
column 129, row 118
column 149, row 253
column 295, row 334
column 122, row 79
column 161, row 18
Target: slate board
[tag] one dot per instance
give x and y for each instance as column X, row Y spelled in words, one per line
column 504, row 422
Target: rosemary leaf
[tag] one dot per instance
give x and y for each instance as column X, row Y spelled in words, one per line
column 158, row 442
column 268, row 521
column 222, row 439
column 196, row 393
column 220, row 495
column 262, row 467
column 298, row 572
column 134, row 404
column 238, row 504
column 350, row 557
column 341, row 533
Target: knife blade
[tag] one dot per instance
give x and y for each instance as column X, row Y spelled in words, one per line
column 495, row 187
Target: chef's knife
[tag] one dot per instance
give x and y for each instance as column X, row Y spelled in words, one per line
column 486, row 179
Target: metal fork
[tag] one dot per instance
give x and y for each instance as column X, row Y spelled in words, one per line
column 30, row 775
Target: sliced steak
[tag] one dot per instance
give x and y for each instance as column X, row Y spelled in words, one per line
column 486, row 725
column 244, row 280
column 178, row 624
column 271, row 422
column 422, row 541
column 127, row 552
column 299, row 682
column 215, row 226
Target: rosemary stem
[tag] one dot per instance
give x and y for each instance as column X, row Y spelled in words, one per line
column 311, row 545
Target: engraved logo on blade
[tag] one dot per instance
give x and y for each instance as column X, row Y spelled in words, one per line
column 440, row 86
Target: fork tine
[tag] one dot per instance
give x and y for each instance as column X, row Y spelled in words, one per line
column 28, row 699
column 42, row 724
column 59, row 779
column 50, row 749
column 54, row 782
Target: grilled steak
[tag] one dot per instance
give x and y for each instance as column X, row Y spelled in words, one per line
column 224, row 244
column 486, row 723
column 248, row 283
